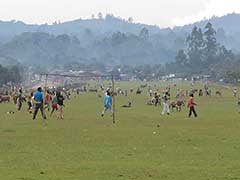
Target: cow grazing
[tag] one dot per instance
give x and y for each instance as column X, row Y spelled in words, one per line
column 93, row 90
column 218, row 93
column 4, row 99
column 143, row 86
column 177, row 105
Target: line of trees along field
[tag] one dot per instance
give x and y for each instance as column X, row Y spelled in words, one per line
column 109, row 39
column 146, row 54
column 205, row 56
column 11, row 74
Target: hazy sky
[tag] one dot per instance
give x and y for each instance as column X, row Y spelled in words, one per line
column 160, row 12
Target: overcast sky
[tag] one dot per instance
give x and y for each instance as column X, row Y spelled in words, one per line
column 164, row 13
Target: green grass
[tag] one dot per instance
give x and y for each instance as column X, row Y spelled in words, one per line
column 87, row 146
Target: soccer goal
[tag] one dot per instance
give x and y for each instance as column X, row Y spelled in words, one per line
column 91, row 76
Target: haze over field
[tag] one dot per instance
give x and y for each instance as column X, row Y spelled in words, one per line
column 119, row 89
column 184, row 37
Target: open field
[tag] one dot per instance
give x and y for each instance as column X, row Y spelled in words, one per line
column 142, row 145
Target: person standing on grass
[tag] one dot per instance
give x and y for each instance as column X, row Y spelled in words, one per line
column 48, row 99
column 235, row 92
column 60, row 102
column 157, row 99
column 178, row 93
column 238, row 104
column 126, row 92
column 38, row 101
column 166, row 99
column 54, row 104
column 107, row 104
column 29, row 102
column 191, row 105
column 20, row 100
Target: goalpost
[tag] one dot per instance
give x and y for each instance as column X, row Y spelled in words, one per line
column 47, row 75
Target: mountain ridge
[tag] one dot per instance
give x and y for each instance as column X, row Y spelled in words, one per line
column 110, row 39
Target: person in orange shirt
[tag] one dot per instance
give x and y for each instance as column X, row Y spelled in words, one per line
column 191, row 105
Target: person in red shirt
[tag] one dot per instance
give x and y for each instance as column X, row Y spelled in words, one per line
column 48, row 100
column 191, row 105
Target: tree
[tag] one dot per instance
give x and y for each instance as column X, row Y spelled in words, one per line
column 75, row 40
column 211, row 46
column 118, row 38
column 3, row 75
column 130, row 20
column 203, row 54
column 211, row 41
column 195, row 43
column 100, row 15
column 182, row 61
column 88, row 32
column 144, row 34
column 11, row 74
column 195, row 40
column 233, row 76
column 158, row 71
column 225, row 54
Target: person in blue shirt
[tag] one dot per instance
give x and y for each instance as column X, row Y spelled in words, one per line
column 107, row 104
column 38, row 101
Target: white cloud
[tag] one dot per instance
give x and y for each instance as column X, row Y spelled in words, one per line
column 212, row 8
column 161, row 12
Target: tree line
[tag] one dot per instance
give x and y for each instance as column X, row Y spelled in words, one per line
column 141, row 56
column 11, row 74
column 203, row 55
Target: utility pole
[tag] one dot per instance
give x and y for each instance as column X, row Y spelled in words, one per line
column 113, row 103
column 46, row 81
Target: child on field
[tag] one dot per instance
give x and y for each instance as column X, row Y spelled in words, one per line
column 60, row 102
column 54, row 104
column 29, row 102
column 238, row 105
column 107, row 104
column 191, row 105
column 166, row 103
column 48, row 99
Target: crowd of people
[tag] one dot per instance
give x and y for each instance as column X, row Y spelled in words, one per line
column 175, row 104
column 181, row 94
column 39, row 100
column 53, row 100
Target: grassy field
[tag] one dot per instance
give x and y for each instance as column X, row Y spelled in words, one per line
column 142, row 145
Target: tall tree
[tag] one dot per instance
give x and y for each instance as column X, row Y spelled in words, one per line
column 144, row 34
column 10, row 74
column 100, row 15
column 195, row 43
column 211, row 46
column 130, row 20
column 211, row 41
column 182, row 60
